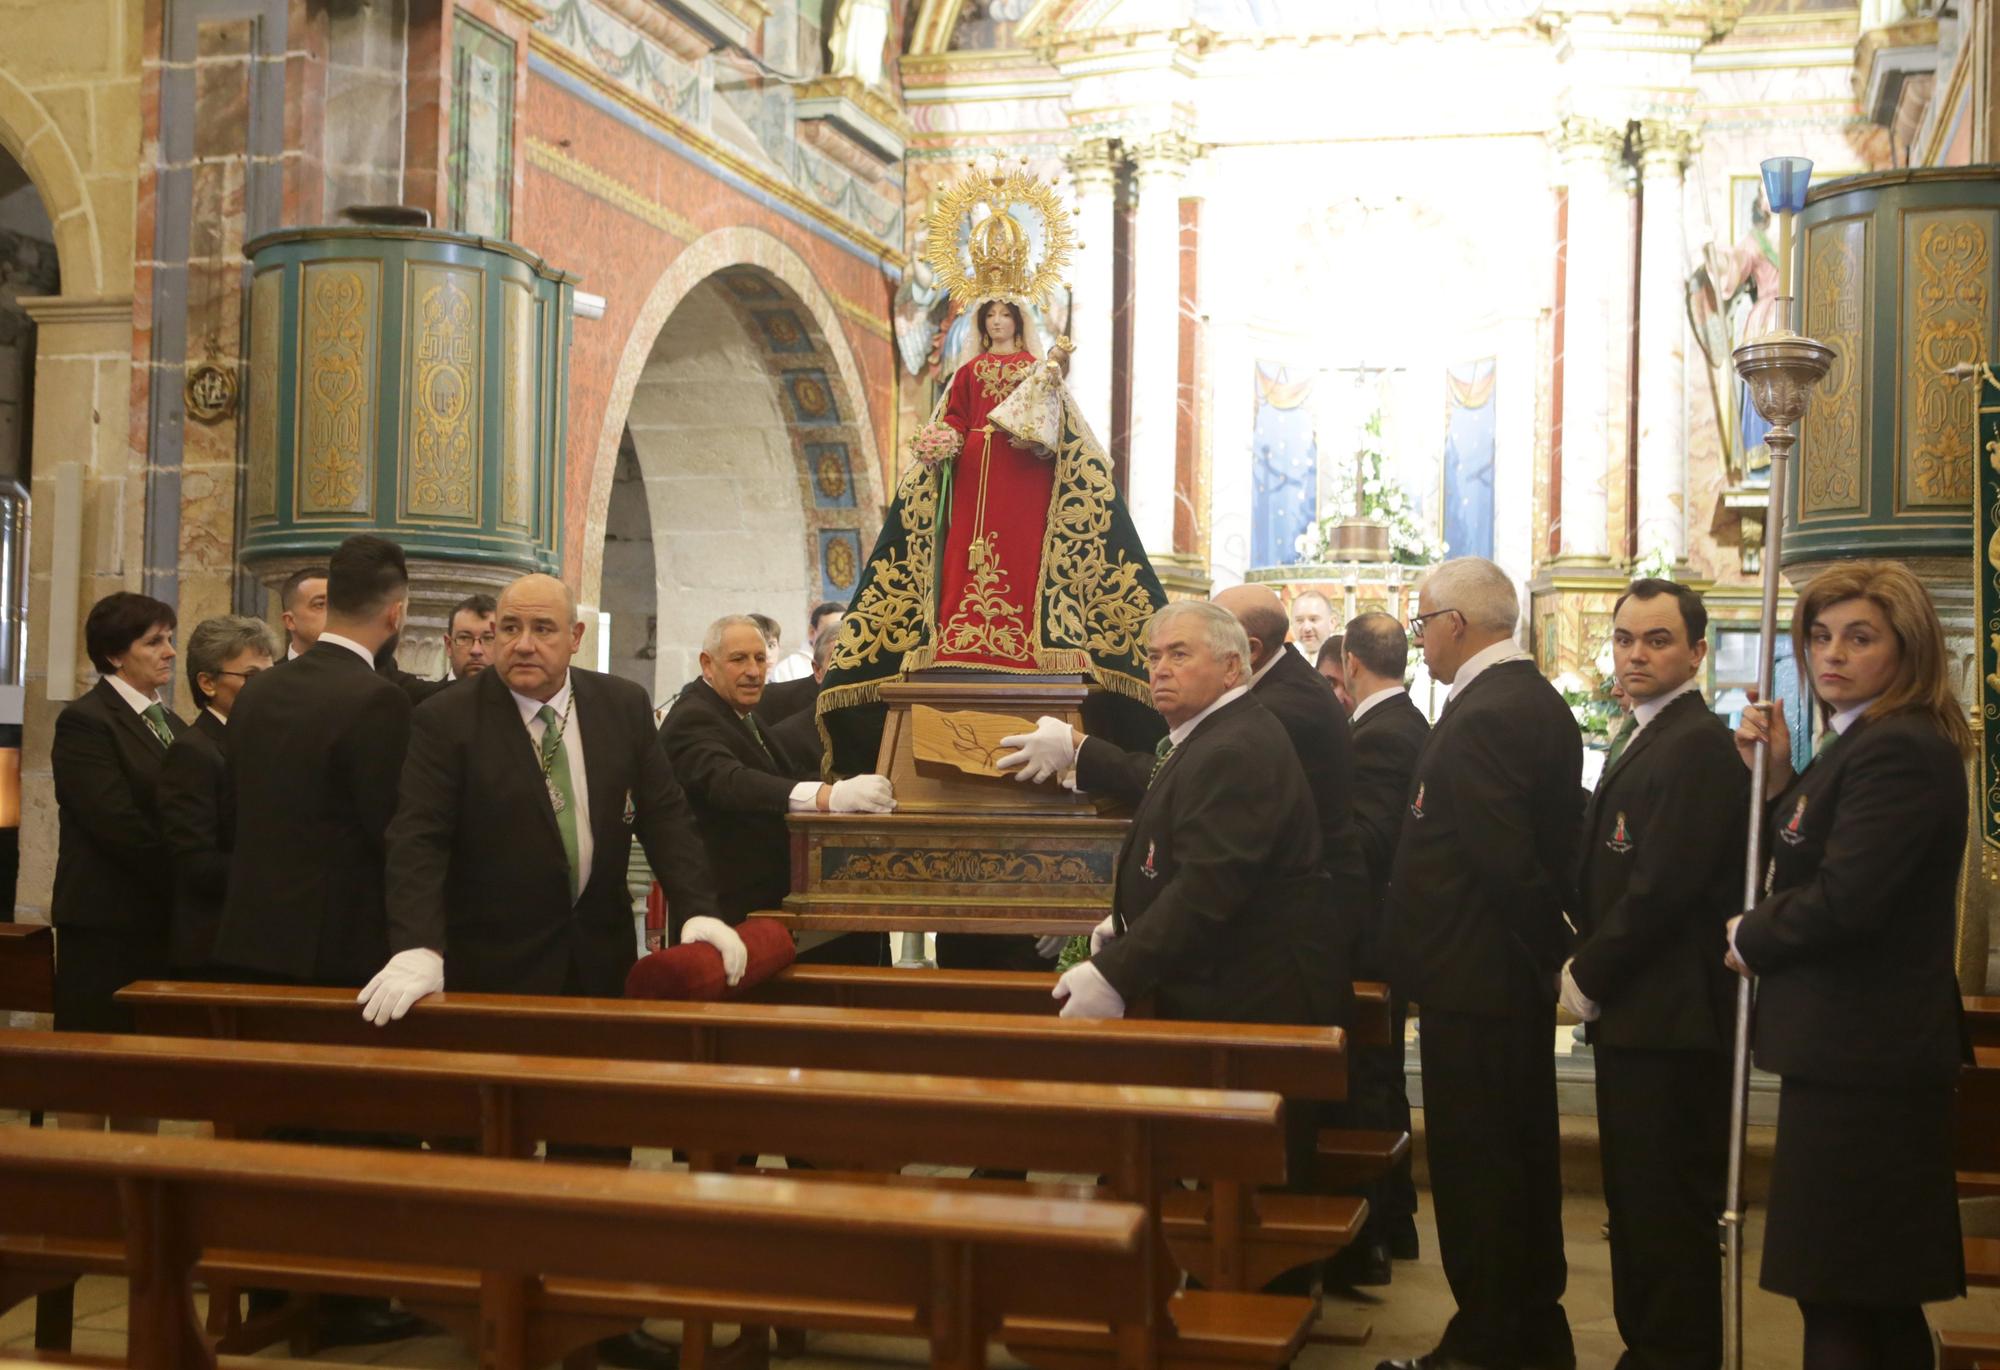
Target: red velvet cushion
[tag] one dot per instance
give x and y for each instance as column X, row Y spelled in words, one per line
column 693, row 970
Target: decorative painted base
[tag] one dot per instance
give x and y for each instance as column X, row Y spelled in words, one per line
column 957, row 872
column 925, row 786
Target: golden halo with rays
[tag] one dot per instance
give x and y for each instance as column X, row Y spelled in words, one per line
column 998, row 245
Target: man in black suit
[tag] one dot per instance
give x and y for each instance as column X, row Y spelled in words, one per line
column 740, row 785
column 1220, row 907
column 1304, row 703
column 315, row 750
column 469, row 637
column 197, row 817
column 1476, row 895
column 302, row 602
column 1389, row 732
column 520, row 798
column 1659, row 874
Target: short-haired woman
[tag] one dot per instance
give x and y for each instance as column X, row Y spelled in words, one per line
column 223, row 655
column 114, row 882
column 1851, row 942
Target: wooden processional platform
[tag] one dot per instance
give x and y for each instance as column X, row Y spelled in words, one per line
column 969, row 848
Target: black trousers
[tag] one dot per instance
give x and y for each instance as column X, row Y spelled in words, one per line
column 989, row 951
column 1663, row 1127
column 1379, row 1098
column 1490, row 1132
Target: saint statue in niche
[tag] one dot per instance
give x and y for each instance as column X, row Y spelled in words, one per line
column 1007, row 549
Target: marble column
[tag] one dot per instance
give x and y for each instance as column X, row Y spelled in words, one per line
column 1094, row 165
column 1594, row 271
column 1662, row 522
column 1162, row 164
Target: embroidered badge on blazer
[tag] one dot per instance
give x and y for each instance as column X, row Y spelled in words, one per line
column 1790, row 832
column 1417, row 804
column 1620, row 841
column 631, row 810
column 1146, row 868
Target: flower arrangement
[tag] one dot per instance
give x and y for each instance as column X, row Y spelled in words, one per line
column 935, row 442
column 1382, row 499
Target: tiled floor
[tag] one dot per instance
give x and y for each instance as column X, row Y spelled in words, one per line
column 1406, row 1318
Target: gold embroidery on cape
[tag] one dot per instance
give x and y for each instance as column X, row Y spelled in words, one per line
column 894, row 613
column 986, row 623
column 997, row 379
column 1087, row 597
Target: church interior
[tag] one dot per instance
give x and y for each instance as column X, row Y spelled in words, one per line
column 641, row 295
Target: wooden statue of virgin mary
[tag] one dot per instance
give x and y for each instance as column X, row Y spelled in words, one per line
column 1007, row 548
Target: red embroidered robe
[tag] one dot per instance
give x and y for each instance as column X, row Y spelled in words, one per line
column 991, row 558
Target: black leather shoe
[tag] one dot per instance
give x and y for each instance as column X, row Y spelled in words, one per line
column 1430, row 1360
column 639, row 1350
column 1363, row 1265
column 1401, row 1234
column 370, row 1324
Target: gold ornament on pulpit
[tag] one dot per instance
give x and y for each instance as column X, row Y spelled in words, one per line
column 987, row 256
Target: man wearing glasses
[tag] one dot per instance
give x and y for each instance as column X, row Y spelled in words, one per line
column 1477, row 932
column 469, row 637
column 222, row 654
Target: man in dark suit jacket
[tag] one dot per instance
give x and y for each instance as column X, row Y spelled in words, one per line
column 1389, row 733
column 509, row 849
column 741, row 786
column 1659, row 874
column 1476, row 895
column 197, row 814
column 1303, row 702
column 315, row 751
column 1219, row 910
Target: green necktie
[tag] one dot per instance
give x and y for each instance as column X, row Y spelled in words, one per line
column 555, row 768
column 1161, row 750
column 757, row 735
column 1825, row 744
column 156, row 719
column 1620, row 740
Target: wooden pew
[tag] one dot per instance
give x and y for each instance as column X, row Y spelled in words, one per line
column 1977, row 1158
column 27, row 968
column 1345, row 1158
column 521, row 1237
column 1292, row 1062
column 1982, row 1020
column 1143, row 1139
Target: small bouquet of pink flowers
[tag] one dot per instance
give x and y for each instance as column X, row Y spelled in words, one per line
column 935, row 442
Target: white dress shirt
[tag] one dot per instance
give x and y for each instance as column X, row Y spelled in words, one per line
column 1262, row 671
column 1494, row 655
column 351, row 645
column 140, row 703
column 572, row 745
column 1846, row 718
column 223, row 719
column 1379, row 697
column 1647, row 710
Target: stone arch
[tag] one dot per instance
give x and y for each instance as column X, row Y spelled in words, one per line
column 746, row 258
column 30, row 135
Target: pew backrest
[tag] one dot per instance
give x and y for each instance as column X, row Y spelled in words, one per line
column 1293, row 1062
column 509, row 1102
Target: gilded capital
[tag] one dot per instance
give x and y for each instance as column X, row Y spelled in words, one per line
column 1093, row 163
column 1165, row 155
column 1584, row 140
column 1665, row 147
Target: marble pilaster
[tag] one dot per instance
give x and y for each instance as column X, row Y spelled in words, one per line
column 1162, row 163
column 1094, row 167
column 1593, row 271
column 1662, row 522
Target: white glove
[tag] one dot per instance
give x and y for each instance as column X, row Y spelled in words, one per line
column 718, row 934
column 1087, row 994
column 409, row 976
column 1580, row 1006
column 862, row 794
column 1051, row 947
column 1102, row 933
column 1049, row 750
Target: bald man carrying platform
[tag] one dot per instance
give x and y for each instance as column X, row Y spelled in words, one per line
column 521, row 794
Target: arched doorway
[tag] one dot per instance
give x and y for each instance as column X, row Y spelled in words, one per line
column 743, row 480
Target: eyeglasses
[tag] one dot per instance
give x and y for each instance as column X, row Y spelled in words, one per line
column 467, row 639
column 245, row 675
column 1417, row 623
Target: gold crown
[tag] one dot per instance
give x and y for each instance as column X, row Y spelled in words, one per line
column 993, row 264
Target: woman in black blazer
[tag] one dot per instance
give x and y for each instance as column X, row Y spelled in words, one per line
column 114, row 890
column 1851, row 944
